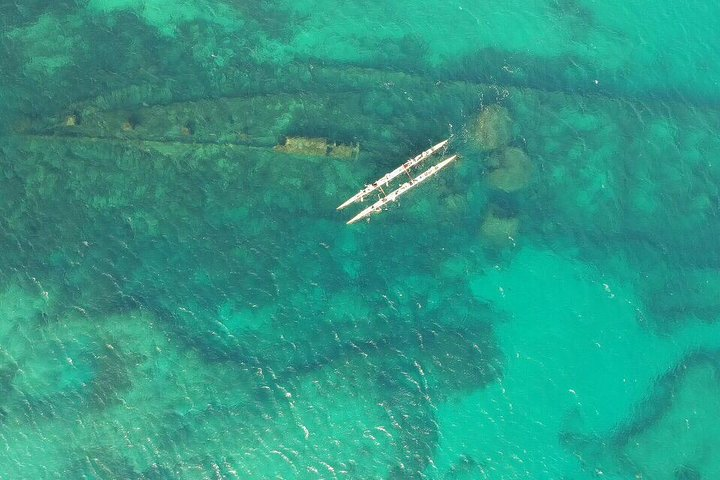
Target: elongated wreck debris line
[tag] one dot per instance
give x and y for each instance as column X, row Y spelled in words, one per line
column 404, row 188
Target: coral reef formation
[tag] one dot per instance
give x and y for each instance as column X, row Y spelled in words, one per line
column 355, row 405
column 492, row 129
column 510, row 169
column 498, row 229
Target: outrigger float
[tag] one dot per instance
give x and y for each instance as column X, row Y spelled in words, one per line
column 402, row 189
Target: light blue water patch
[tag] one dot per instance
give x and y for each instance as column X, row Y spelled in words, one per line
column 577, row 362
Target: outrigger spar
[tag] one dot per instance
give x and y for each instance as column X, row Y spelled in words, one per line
column 388, row 177
column 392, row 196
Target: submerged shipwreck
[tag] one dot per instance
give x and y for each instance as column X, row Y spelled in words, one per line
column 512, row 134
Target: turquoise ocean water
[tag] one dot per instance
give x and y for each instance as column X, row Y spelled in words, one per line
column 180, row 299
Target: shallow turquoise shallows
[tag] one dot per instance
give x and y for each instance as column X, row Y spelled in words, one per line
column 181, row 298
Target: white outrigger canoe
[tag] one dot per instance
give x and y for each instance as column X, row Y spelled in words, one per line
column 404, row 188
column 388, row 177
